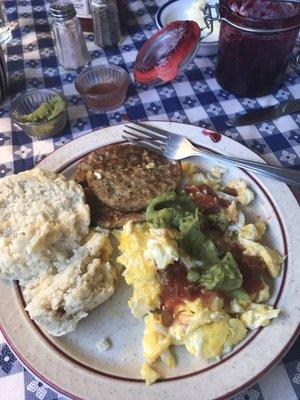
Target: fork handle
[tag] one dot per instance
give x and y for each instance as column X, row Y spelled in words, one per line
column 285, row 175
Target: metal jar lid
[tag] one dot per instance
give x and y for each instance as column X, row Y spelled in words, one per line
column 63, row 12
column 259, row 26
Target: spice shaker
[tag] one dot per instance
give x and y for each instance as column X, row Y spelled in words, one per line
column 107, row 28
column 83, row 12
column 69, row 41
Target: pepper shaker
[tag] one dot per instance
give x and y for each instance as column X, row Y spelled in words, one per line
column 107, row 28
column 70, row 45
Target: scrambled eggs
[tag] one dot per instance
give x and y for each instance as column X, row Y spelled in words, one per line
column 244, row 195
column 272, row 259
column 161, row 247
column 253, row 231
column 140, row 272
column 208, row 329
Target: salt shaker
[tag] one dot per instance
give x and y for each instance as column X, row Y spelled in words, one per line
column 107, row 28
column 69, row 41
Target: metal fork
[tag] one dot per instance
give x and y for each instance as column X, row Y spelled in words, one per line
column 177, row 147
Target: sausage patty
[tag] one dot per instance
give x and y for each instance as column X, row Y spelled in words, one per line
column 106, row 217
column 127, row 177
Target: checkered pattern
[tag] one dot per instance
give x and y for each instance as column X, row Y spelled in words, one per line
column 194, row 96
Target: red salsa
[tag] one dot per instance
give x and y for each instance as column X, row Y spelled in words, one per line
column 230, row 191
column 251, row 267
column 175, row 288
column 206, row 199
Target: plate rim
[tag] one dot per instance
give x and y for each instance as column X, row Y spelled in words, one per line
column 232, row 392
column 225, row 396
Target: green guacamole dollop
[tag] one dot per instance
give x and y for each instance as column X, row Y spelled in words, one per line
column 46, row 111
column 177, row 210
column 225, row 275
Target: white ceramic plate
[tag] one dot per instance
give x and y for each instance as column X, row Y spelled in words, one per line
column 72, row 364
column 181, row 10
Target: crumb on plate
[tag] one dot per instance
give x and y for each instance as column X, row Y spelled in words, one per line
column 103, row 344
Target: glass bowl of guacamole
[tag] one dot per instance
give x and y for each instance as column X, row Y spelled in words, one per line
column 40, row 113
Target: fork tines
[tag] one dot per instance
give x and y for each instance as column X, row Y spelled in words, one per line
column 144, row 139
column 153, row 129
column 142, row 134
column 149, row 137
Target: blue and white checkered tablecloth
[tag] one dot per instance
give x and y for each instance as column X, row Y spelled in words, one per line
column 194, row 96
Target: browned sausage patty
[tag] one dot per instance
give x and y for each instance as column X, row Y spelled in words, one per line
column 106, row 217
column 81, row 171
column 127, row 177
column 101, row 214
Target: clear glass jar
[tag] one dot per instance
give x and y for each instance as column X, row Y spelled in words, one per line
column 3, row 77
column 257, row 38
column 5, row 29
column 70, row 45
column 106, row 22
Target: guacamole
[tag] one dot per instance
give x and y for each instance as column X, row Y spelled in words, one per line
column 170, row 209
column 46, row 111
column 240, row 295
column 178, row 211
column 225, row 275
column 219, row 220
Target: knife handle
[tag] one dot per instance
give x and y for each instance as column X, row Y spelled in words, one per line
column 286, row 175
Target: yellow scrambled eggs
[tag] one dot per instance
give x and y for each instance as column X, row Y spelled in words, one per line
column 206, row 332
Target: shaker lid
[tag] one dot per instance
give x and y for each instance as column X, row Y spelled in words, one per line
column 62, row 12
column 162, row 56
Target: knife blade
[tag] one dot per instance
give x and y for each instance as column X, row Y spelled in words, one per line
column 265, row 114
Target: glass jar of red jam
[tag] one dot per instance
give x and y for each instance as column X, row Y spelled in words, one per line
column 257, row 38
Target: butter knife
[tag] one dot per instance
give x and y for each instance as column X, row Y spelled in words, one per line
column 265, row 114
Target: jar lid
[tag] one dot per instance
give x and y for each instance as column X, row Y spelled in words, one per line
column 261, row 16
column 167, row 52
column 62, row 12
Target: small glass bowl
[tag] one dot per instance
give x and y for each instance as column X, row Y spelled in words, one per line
column 103, row 88
column 30, row 101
